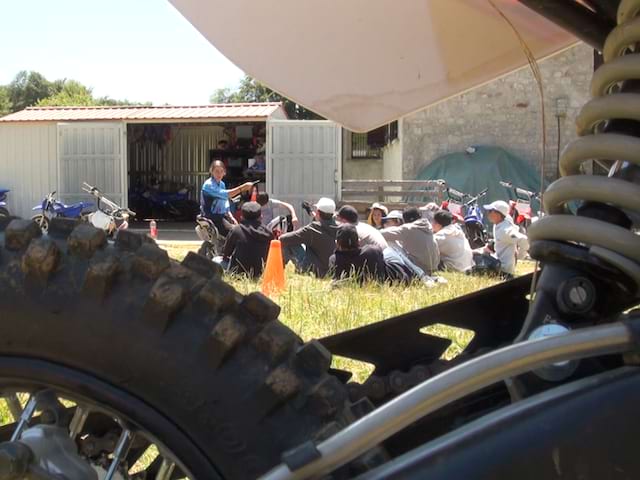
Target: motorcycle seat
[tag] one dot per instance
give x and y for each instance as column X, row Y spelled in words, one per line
column 73, row 210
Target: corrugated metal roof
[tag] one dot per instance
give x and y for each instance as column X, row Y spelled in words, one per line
column 229, row 111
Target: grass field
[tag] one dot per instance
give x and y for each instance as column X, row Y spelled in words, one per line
column 313, row 309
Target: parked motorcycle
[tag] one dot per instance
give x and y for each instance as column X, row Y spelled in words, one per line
column 474, row 221
column 109, row 216
column 520, row 208
column 212, row 240
column 52, row 208
column 4, row 211
column 279, row 225
column 454, row 203
column 467, row 213
column 152, row 202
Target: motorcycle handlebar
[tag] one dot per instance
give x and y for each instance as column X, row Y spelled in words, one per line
column 120, row 213
column 520, row 192
column 477, row 197
column 525, row 193
column 456, row 193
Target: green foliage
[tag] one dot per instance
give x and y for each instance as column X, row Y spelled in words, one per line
column 5, row 101
column 251, row 91
column 71, row 93
column 32, row 88
column 112, row 102
column 28, row 88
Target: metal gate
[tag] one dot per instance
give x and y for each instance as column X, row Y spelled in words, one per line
column 303, row 160
column 92, row 153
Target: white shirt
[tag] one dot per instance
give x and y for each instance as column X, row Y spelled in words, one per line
column 455, row 252
column 509, row 242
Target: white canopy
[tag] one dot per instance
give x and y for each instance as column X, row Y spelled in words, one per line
column 364, row 63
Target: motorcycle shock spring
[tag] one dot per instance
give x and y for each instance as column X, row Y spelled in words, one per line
column 607, row 131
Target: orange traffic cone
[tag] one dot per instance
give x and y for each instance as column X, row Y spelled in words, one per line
column 254, row 194
column 273, row 276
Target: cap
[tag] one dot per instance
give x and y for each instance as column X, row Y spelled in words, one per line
column 499, row 206
column 411, row 214
column 347, row 236
column 326, row 205
column 393, row 215
column 348, row 213
column 379, row 206
column 251, row 210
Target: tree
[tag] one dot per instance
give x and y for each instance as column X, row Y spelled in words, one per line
column 28, row 88
column 5, row 101
column 250, row 91
column 32, row 88
column 111, row 102
column 71, row 93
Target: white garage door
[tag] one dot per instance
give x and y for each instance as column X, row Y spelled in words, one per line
column 303, row 160
column 92, row 153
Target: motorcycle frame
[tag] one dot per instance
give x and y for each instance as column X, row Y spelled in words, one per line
column 314, row 461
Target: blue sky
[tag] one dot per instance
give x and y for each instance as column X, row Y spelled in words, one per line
column 142, row 50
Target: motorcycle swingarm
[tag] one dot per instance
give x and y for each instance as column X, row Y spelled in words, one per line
column 494, row 314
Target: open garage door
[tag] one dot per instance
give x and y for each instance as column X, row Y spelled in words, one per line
column 92, row 153
column 303, row 160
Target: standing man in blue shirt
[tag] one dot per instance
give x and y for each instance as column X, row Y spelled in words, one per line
column 214, row 199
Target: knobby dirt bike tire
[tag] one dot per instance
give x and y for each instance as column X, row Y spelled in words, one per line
column 217, row 364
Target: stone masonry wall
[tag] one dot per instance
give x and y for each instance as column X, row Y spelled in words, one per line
column 505, row 113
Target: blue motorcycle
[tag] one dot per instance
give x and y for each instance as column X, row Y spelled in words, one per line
column 151, row 202
column 52, row 208
column 467, row 213
column 474, row 221
column 4, row 212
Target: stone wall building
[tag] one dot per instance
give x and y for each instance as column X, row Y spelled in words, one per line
column 504, row 113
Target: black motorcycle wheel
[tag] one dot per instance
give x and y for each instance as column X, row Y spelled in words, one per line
column 217, row 366
column 475, row 235
column 108, row 409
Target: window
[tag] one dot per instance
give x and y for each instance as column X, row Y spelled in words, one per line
column 360, row 147
column 370, row 144
column 392, row 131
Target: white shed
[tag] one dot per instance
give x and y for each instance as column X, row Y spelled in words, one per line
column 43, row 149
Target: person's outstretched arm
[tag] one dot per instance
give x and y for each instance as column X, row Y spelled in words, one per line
column 292, row 211
column 232, row 192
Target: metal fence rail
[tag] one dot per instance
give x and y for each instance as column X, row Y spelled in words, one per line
column 392, row 193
